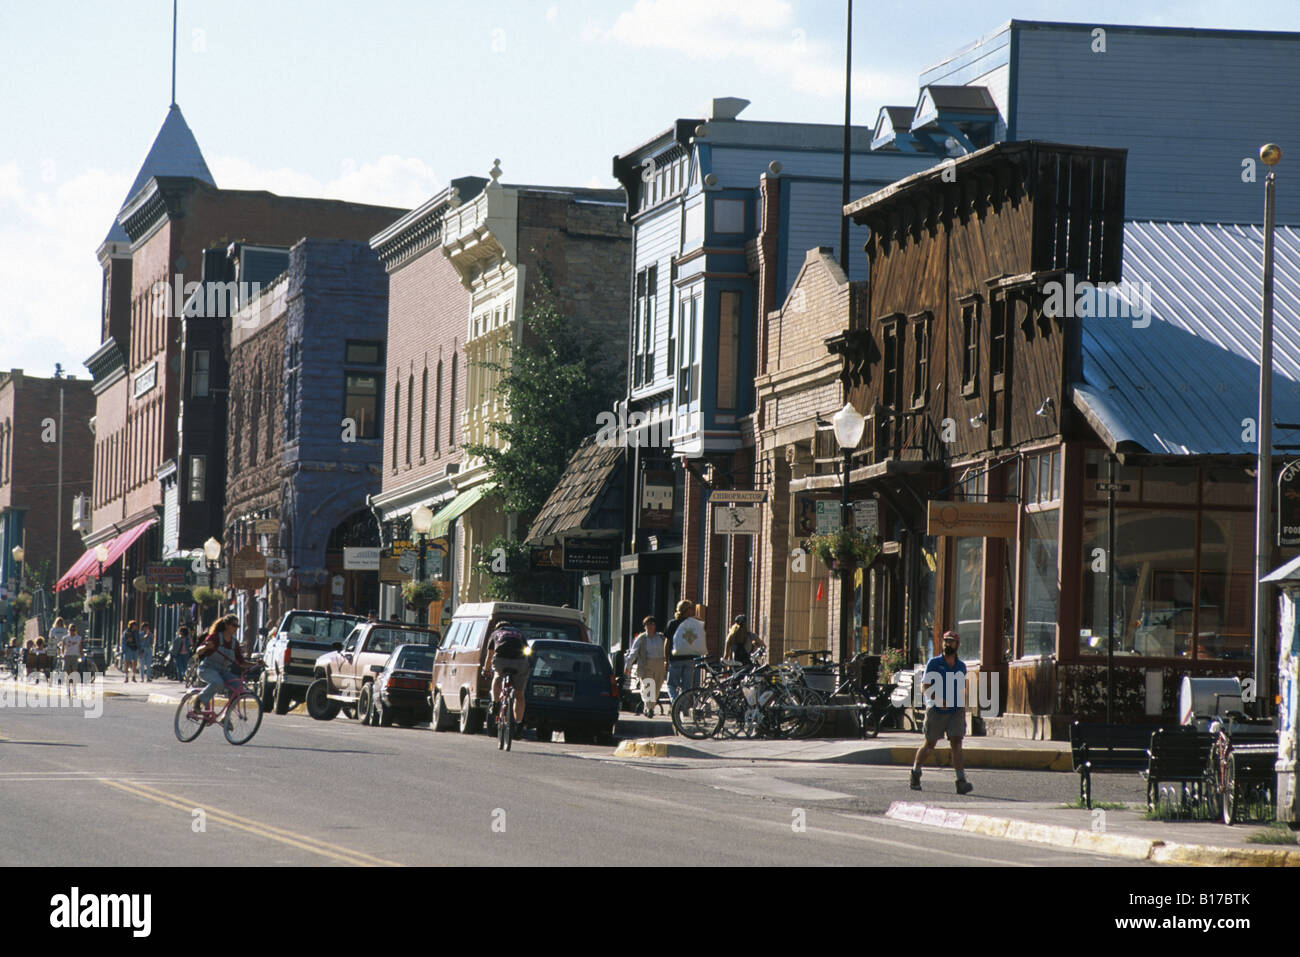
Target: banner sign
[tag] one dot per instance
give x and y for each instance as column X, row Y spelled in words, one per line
column 581, row 558
column 972, row 519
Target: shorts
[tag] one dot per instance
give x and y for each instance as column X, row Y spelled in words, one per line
column 516, row 668
column 129, row 654
column 937, row 724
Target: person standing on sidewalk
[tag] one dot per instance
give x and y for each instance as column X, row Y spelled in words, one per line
column 649, row 663
column 742, row 643
column 944, row 686
column 146, row 650
column 686, row 633
column 130, row 651
column 181, row 651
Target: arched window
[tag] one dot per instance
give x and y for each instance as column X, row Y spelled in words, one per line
column 437, row 410
column 451, row 405
column 397, row 401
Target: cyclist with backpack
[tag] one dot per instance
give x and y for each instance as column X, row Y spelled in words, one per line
column 506, row 656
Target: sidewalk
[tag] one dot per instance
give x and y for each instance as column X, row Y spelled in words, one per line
column 641, row 740
column 1119, row 833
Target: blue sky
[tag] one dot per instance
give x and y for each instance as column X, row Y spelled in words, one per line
column 385, row 101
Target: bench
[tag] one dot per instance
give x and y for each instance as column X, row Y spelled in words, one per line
column 1178, row 755
column 1107, row 747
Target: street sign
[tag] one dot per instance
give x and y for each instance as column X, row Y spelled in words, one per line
column 266, row 526
column 828, row 517
column 361, row 559
column 1114, row 487
column 740, row 520
column 741, row 495
column 1288, row 506
column 866, row 516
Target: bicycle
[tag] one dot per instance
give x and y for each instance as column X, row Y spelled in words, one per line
column 239, row 719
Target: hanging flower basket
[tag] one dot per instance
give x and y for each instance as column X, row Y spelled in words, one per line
column 204, row 595
column 99, row 600
column 21, row 603
column 845, row 550
column 420, row 594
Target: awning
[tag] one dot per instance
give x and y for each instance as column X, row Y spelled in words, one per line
column 87, row 566
column 1289, row 572
column 582, row 501
column 457, row 507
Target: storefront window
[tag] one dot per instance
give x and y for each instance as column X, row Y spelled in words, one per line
column 1224, row 626
column 1155, row 565
column 968, row 594
column 1042, row 592
column 1011, row 493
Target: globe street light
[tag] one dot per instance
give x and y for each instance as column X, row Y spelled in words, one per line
column 212, row 552
column 19, row 555
column 849, row 425
column 101, row 556
column 422, row 525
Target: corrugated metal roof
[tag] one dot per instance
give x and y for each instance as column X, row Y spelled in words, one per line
column 175, row 152
column 1184, row 384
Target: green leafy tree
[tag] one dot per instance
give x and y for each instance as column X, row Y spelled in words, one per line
column 504, row 565
column 558, row 380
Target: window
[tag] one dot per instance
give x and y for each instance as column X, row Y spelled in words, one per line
column 643, row 359
column 291, row 394
column 921, row 359
column 397, row 402
column 199, row 374
column 728, row 349
column 451, row 405
column 198, row 477
column 437, row 409
column 998, row 341
column 1042, row 593
column 970, row 332
column 364, row 353
column 891, row 393
column 728, row 215
column 361, row 402
column 1043, row 478
column 410, row 406
column 967, row 594
column 424, row 409
column 673, row 325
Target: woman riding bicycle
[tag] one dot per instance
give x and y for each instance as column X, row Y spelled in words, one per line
column 220, row 655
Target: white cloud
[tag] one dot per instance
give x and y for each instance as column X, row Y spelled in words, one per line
column 50, row 229
column 387, row 181
column 765, row 32
column 552, row 13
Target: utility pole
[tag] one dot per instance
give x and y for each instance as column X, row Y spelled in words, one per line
column 848, row 128
column 1269, row 154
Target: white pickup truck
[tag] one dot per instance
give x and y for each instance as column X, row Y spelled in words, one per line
column 345, row 676
column 290, row 654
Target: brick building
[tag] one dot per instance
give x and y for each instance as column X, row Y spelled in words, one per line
column 303, row 429
column 44, row 432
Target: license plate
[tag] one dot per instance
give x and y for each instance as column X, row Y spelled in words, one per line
column 545, row 691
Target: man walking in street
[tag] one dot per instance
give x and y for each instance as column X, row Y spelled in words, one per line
column 944, row 687
column 181, row 651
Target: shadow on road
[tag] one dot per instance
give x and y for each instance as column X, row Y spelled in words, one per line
column 288, row 747
column 47, row 744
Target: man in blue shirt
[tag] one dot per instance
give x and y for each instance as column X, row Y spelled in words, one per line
column 944, row 686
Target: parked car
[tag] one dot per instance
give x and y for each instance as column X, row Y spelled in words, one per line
column 345, row 676
column 401, row 690
column 461, row 695
column 301, row 638
column 573, row 689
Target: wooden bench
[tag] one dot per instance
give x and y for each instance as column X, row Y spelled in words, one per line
column 1107, row 747
column 1179, row 756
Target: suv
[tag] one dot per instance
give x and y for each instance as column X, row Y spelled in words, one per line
column 290, row 656
column 345, row 676
column 459, row 689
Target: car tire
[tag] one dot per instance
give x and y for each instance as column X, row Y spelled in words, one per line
column 442, row 719
column 383, row 714
column 544, row 732
column 265, row 692
column 282, row 700
column 366, row 704
column 318, row 705
column 470, row 718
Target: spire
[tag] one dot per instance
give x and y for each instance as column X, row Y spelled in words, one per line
column 175, row 152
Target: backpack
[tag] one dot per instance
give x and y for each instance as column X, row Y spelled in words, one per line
column 508, row 643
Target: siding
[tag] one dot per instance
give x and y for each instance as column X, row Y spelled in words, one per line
column 813, row 219
column 741, row 167
column 1189, row 108
column 658, row 241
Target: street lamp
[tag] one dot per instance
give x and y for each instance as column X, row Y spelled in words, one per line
column 212, row 552
column 19, row 555
column 101, row 556
column 849, row 425
column 422, row 525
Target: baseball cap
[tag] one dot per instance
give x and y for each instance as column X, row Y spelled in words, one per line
column 951, row 635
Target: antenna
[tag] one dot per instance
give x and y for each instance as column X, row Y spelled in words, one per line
column 173, row 52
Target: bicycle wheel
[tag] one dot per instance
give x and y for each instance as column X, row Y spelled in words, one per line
column 504, row 719
column 243, row 718
column 812, row 716
column 187, row 725
column 782, row 714
column 697, row 714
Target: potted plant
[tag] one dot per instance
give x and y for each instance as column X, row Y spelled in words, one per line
column 892, row 661
column 21, row 603
column 203, row 595
column 420, row 594
column 100, row 599
column 846, row 548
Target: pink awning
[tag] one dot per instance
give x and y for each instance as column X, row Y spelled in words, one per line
column 87, row 566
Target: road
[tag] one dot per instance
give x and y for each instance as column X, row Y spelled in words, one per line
column 121, row 790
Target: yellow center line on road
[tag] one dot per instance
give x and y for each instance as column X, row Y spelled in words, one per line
column 333, row 851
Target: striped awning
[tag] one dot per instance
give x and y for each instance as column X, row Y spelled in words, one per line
column 87, row 566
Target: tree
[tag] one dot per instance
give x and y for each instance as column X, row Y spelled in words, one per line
column 558, row 381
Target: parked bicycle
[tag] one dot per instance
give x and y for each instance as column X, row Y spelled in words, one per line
column 239, row 718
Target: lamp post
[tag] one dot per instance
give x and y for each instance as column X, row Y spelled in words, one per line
column 211, row 552
column 849, row 425
column 19, row 554
column 1269, row 154
column 101, row 556
column 422, row 525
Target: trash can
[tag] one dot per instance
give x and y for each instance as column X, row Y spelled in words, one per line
column 1201, row 700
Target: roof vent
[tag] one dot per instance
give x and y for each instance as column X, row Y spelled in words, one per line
column 727, row 107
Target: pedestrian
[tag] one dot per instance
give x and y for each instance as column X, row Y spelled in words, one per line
column 145, row 642
column 944, row 686
column 58, row 632
column 648, row 660
column 742, row 643
column 70, row 646
column 181, row 651
column 42, row 658
column 130, row 651
column 686, row 632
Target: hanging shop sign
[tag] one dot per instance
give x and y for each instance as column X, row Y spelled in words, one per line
column 737, row 519
column 972, row 519
column 1288, row 506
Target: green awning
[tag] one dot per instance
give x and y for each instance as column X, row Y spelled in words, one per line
column 457, row 507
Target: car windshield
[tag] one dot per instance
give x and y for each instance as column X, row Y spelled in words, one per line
column 414, row 659
column 384, row 640
column 568, row 662
column 555, row 630
column 320, row 626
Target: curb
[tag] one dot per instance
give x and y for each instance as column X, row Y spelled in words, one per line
column 982, row 758
column 48, row 690
column 160, row 698
column 1116, row 845
column 1024, row 759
